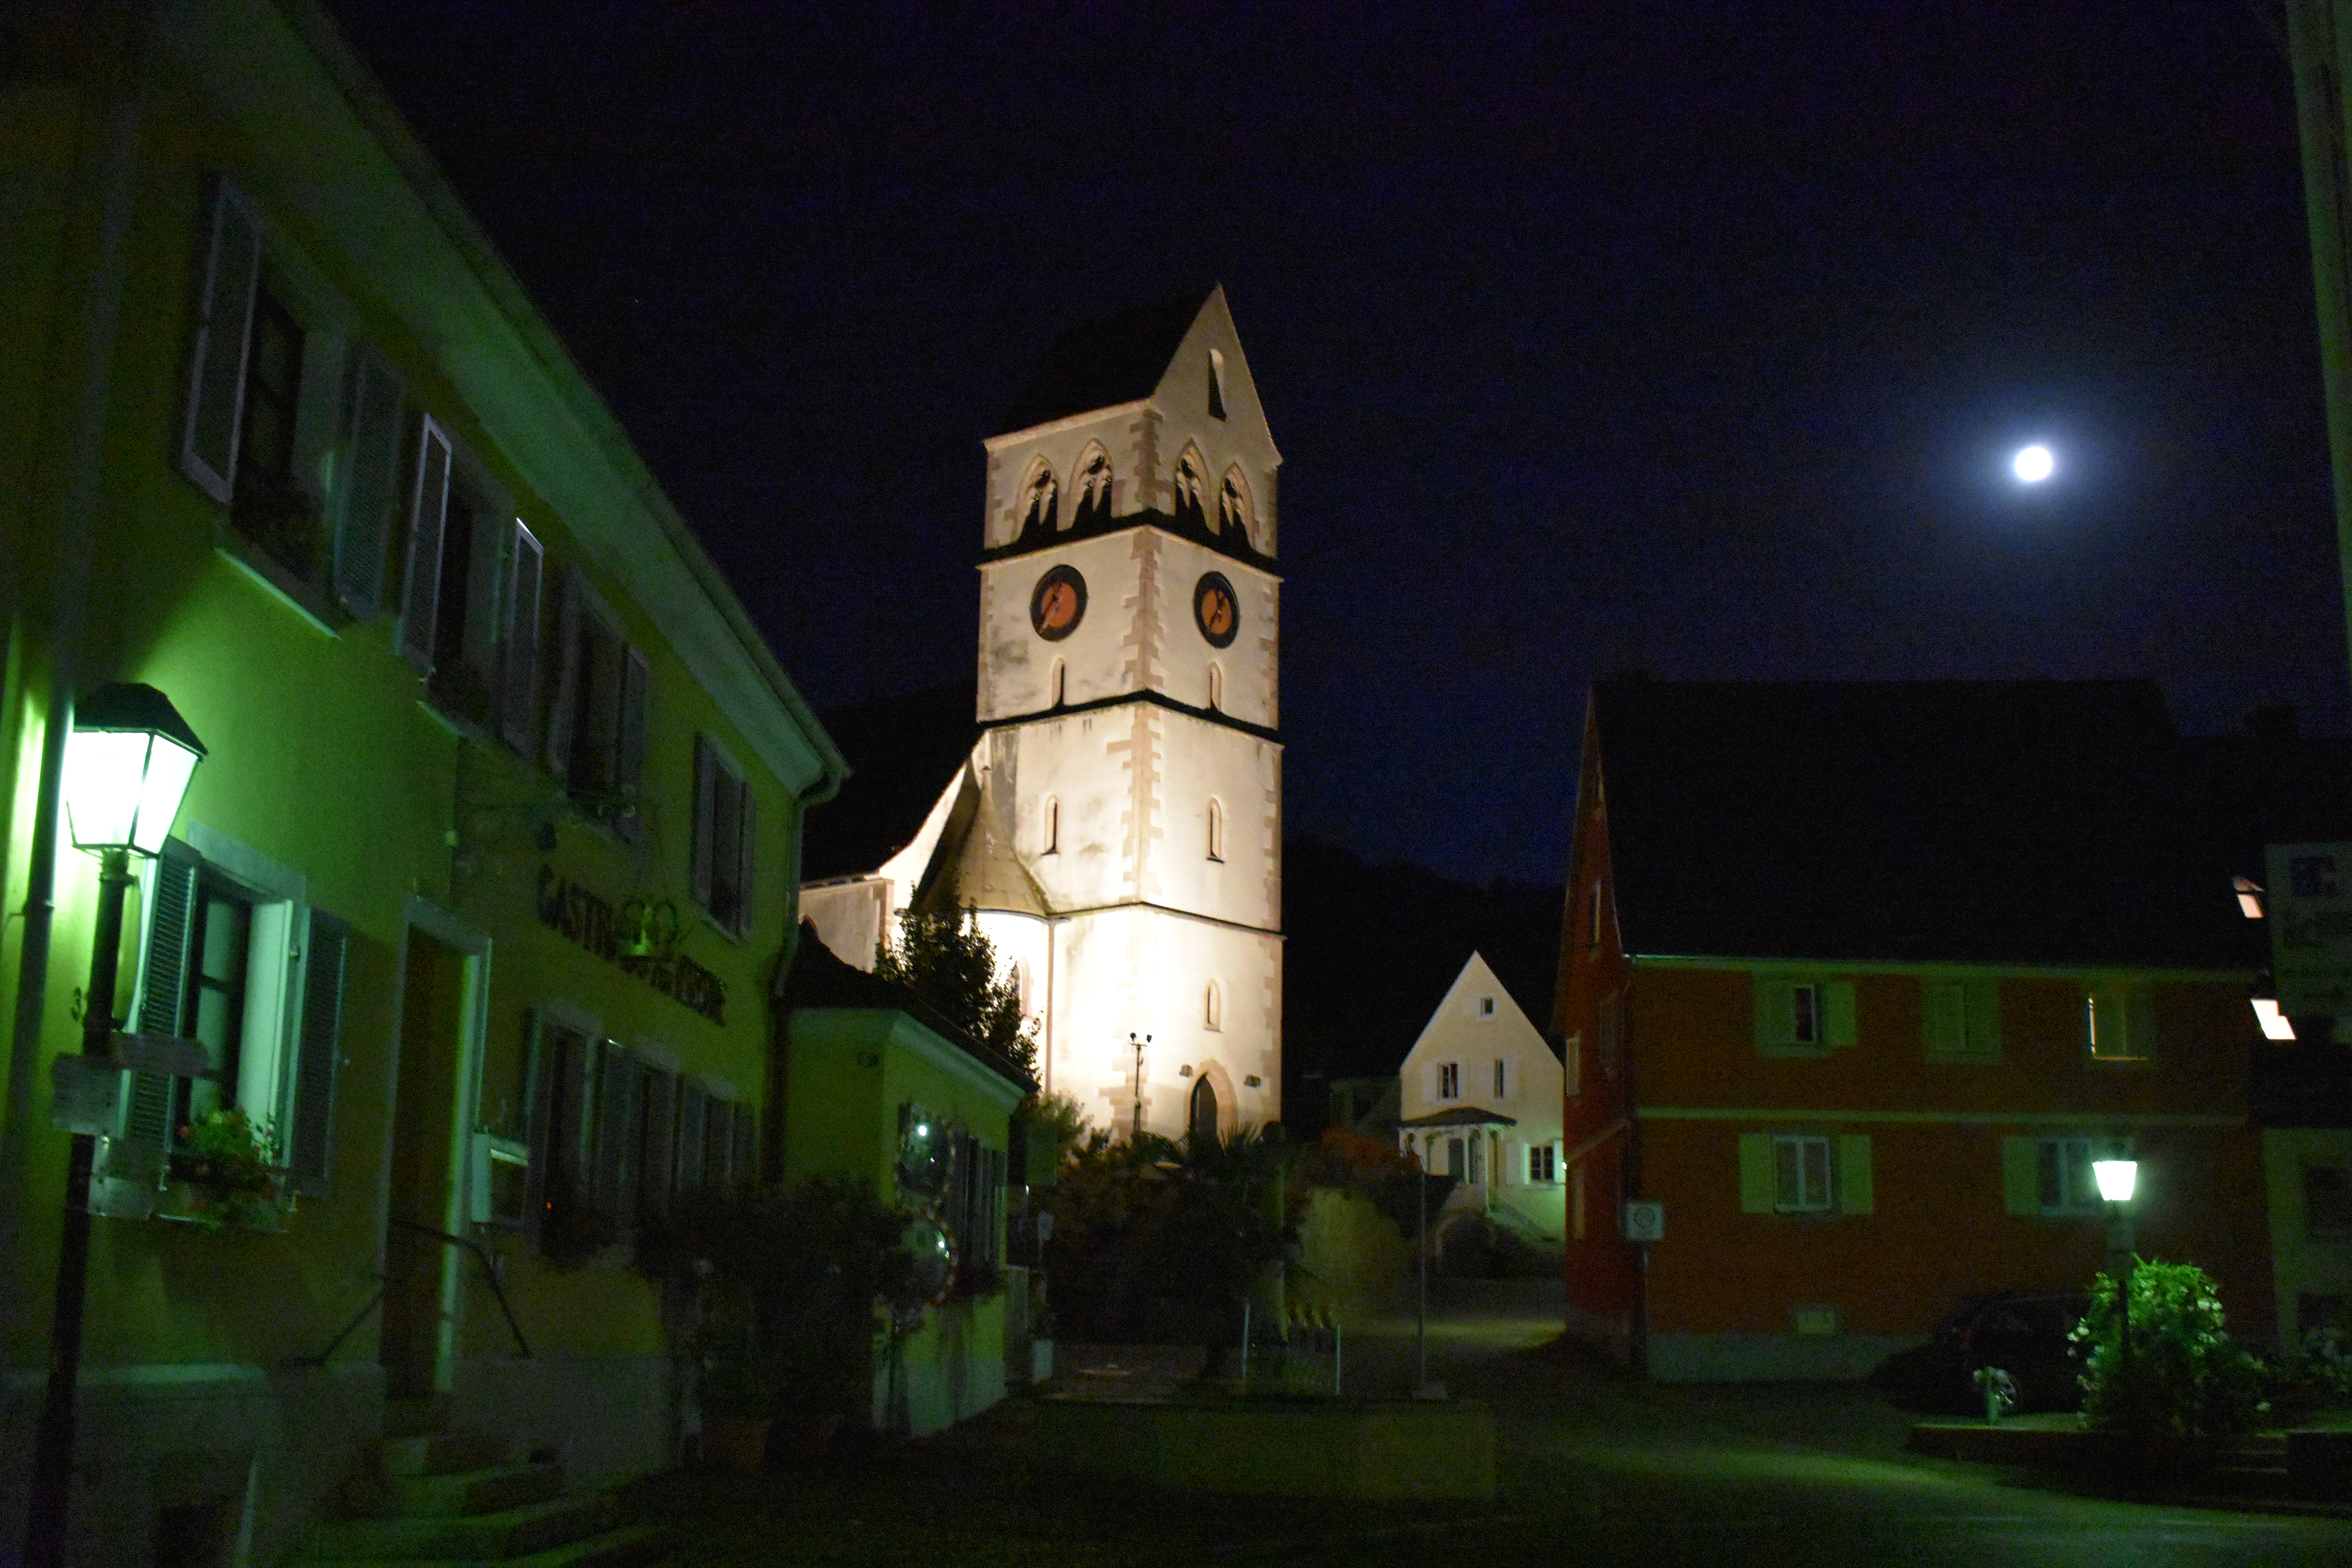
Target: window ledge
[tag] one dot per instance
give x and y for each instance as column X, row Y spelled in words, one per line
column 307, row 600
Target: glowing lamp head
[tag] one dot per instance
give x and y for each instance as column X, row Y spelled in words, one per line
column 2033, row 464
column 2117, row 1179
column 128, row 763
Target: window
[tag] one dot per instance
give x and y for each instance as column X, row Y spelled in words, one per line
column 1802, row 1016
column 1234, row 513
column 1449, row 1080
column 1040, row 501
column 1216, row 829
column 596, row 725
column 617, row 1133
column 1484, row 1007
column 1216, row 385
column 2115, row 1021
column 1961, row 1020
column 263, row 429
column 2250, row 897
column 1093, row 487
column 973, row 1207
column 1188, row 508
column 1805, row 1174
column 2275, row 1025
column 1049, row 827
column 1216, row 685
column 1054, row 685
column 1543, row 1164
column 235, row 960
column 724, row 837
column 1212, row 1007
column 1593, row 916
column 1800, row 1175
column 1501, row 1078
column 1572, row 1053
column 2049, row 1177
column 2327, row 1202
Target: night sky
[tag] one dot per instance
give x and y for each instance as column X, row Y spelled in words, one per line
column 1594, row 338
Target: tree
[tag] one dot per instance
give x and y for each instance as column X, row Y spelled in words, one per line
column 945, row 959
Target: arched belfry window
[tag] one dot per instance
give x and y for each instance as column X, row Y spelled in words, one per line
column 1093, row 487
column 1190, row 479
column 1233, row 506
column 1040, row 501
column 1212, row 1007
column 1216, row 830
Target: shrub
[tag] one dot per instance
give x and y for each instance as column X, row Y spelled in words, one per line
column 2181, row 1375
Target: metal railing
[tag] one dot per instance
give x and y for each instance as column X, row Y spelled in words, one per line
column 383, row 1288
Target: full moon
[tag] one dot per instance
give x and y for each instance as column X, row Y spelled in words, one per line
column 2033, row 464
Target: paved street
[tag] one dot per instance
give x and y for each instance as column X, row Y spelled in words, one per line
column 1595, row 1469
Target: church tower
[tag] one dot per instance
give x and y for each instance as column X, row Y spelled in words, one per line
column 1129, row 860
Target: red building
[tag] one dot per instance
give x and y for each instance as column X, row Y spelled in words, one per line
column 1857, row 979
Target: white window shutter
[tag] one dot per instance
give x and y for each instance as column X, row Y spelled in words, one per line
column 144, row 1137
column 216, row 359
column 615, row 1134
column 1853, row 1190
column 629, row 765
column 370, row 487
column 310, row 1091
column 1837, row 1020
column 706, row 819
column 1759, row 1180
column 2020, row 1176
column 428, row 512
column 519, row 695
column 746, row 848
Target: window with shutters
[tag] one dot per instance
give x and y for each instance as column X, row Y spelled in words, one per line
column 1800, row 1175
column 275, row 428
column 1543, row 1164
column 471, row 595
column 2116, row 1026
column 1802, row 1016
column 1449, row 1080
column 722, row 875
column 1800, row 1172
column 233, row 959
column 1961, row 1020
column 596, row 727
column 618, row 1134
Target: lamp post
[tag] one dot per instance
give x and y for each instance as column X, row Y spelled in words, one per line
column 128, row 762
column 1141, row 1043
column 2118, row 1178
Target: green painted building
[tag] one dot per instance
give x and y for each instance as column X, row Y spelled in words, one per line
column 479, row 896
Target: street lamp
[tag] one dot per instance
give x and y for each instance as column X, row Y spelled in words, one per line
column 2118, row 1178
column 1141, row 1043
column 128, row 762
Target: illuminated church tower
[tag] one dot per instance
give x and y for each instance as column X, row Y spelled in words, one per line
column 1118, row 823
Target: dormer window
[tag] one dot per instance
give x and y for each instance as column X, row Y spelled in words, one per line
column 2250, row 897
column 1216, row 385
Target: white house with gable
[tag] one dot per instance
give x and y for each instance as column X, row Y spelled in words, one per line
column 1480, row 1094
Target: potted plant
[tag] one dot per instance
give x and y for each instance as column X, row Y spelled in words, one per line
column 228, row 1165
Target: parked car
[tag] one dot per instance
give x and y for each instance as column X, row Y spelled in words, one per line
column 2023, row 1332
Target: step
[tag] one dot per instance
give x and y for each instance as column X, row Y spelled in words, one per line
column 636, row 1547
column 490, row 1490
column 510, row 1533
column 443, row 1453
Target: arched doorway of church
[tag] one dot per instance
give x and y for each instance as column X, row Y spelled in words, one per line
column 1203, row 1120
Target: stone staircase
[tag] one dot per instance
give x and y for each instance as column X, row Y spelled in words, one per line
column 441, row 1498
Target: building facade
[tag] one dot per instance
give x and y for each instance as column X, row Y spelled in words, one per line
column 1479, row 1100
column 1118, row 822
column 1856, row 981
column 474, row 902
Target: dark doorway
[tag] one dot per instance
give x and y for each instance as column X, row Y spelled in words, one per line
column 1203, row 1120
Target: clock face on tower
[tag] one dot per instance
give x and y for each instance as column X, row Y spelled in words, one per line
column 1216, row 608
column 1057, row 603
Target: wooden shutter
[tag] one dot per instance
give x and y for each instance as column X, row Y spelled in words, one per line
column 1854, row 1183
column 706, row 819
column 562, row 714
column 612, row 1188
column 629, row 761
column 1944, row 1024
column 1837, row 1013
column 145, row 1137
column 1775, row 1012
column 429, row 513
column 217, row 358
column 310, row 1092
column 746, row 1163
column 519, row 690
column 1759, row 1181
column 657, row 1158
column 748, row 829
column 371, row 487
column 2020, row 1176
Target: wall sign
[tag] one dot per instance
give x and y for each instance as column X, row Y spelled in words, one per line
column 593, row 923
